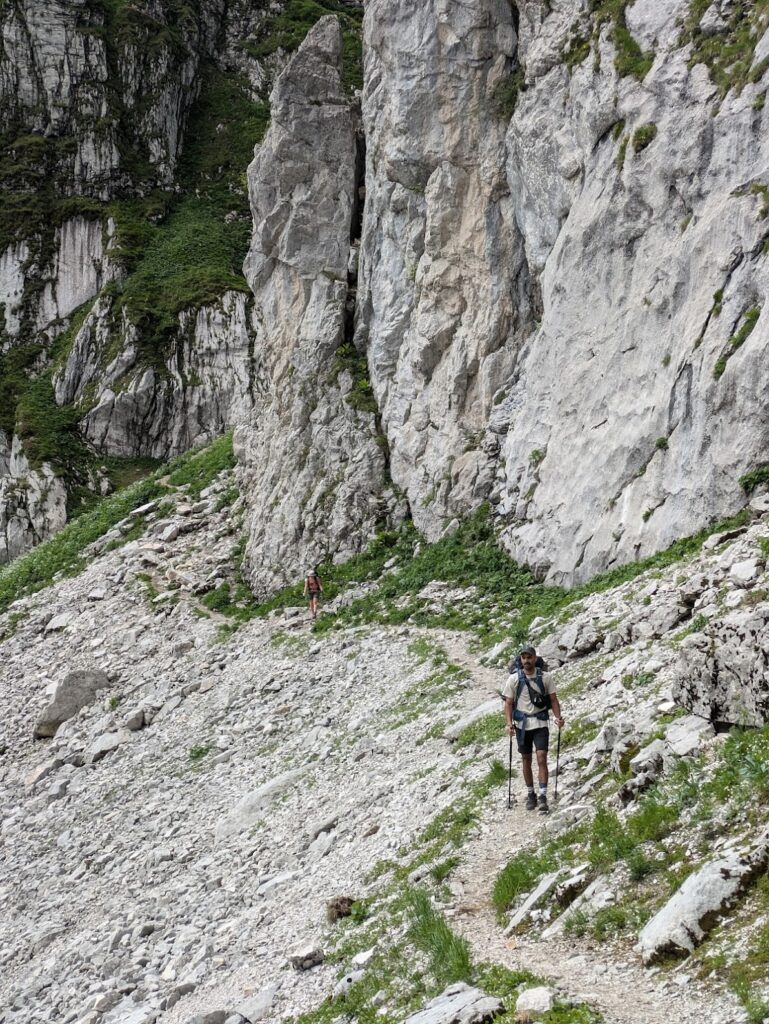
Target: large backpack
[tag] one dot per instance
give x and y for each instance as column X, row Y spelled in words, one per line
column 538, row 694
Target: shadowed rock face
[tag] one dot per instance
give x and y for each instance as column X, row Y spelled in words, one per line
column 444, row 288
column 313, row 466
column 722, row 672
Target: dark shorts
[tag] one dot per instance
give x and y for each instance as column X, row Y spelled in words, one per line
column 537, row 739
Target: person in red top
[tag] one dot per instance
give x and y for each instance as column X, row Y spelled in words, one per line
column 313, row 588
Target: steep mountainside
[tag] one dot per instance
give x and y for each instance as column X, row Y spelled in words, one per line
column 214, row 807
column 515, row 255
column 127, row 330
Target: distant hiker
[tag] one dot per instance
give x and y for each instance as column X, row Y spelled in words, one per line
column 313, row 588
column 528, row 700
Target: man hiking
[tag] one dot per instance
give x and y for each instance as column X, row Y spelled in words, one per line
column 528, row 700
column 313, row 588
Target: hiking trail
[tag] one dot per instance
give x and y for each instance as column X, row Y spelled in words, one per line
column 609, row 975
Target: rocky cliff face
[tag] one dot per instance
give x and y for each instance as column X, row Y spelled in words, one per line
column 123, row 227
column 638, row 176
column 529, row 270
column 561, row 269
column 314, row 460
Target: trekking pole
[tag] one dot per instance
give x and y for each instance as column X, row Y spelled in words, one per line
column 557, row 762
column 510, row 777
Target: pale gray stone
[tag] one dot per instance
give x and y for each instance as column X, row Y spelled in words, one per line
column 495, row 704
column 458, row 1004
column 704, row 896
column 533, row 1002
column 257, row 1007
column 250, row 808
column 77, row 690
column 106, row 744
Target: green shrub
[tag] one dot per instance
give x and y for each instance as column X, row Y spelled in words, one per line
column 629, row 59
column 728, row 54
column 504, row 98
column 760, row 475
column 644, row 136
column 576, row 51
column 750, row 319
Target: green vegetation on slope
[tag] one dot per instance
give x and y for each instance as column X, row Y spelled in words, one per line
column 285, row 31
column 630, row 58
column 729, row 53
column 63, row 554
column 659, row 843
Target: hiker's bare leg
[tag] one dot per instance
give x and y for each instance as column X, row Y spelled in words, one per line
column 542, row 766
column 528, row 778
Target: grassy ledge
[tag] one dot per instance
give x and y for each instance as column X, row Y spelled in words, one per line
column 64, row 554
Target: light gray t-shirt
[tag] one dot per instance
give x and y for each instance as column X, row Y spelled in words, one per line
column 524, row 704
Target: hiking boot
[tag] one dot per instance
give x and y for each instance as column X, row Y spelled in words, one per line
column 542, row 804
column 531, row 802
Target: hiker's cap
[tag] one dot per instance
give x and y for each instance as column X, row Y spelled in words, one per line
column 527, row 649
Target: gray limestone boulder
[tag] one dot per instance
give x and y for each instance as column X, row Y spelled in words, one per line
column 534, row 1002
column 250, row 808
column 77, row 690
column 721, row 671
column 685, row 919
column 458, row 1004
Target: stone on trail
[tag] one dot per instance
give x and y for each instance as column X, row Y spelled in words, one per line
column 487, row 708
column 74, row 692
column 685, row 919
column 248, row 811
column 257, row 1007
column 458, row 1004
column 520, row 915
column 344, row 985
column 533, row 1002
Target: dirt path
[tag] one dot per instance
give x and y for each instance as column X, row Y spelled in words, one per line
column 608, row 976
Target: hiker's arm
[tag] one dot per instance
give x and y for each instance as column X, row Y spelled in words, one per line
column 509, row 715
column 555, row 705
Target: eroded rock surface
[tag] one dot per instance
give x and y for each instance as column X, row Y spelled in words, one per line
column 313, row 464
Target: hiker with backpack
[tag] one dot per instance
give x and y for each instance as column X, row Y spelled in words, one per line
column 313, row 588
column 529, row 697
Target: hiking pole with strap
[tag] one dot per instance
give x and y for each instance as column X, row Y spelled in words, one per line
column 557, row 762
column 510, row 777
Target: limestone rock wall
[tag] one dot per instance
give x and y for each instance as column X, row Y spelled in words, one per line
column 203, row 386
column 32, row 501
column 642, row 396
column 445, row 296
column 313, row 465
